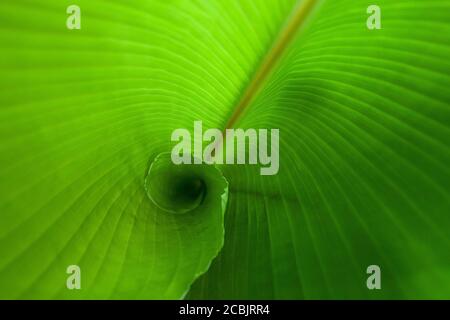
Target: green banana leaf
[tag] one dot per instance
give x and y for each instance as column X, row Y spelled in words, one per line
column 86, row 118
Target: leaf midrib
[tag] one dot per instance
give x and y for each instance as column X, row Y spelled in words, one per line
column 295, row 21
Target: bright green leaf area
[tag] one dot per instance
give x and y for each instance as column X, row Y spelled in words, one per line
column 86, row 118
